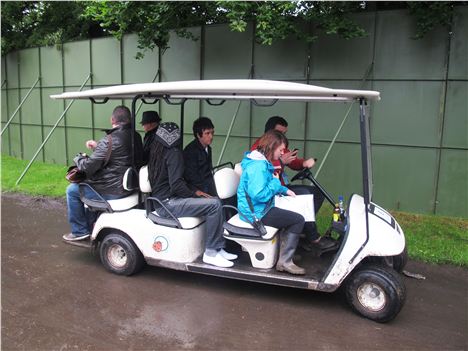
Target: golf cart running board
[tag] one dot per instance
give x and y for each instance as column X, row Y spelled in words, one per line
column 80, row 243
column 242, row 272
column 259, row 275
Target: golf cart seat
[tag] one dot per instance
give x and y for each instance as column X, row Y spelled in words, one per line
column 117, row 205
column 153, row 203
column 238, row 169
column 262, row 249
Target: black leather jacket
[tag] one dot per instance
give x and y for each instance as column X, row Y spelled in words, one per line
column 198, row 168
column 169, row 180
column 107, row 178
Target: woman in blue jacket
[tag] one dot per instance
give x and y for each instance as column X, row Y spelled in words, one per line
column 260, row 185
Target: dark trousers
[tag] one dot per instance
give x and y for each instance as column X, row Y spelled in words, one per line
column 200, row 207
column 308, row 189
column 310, row 228
column 292, row 222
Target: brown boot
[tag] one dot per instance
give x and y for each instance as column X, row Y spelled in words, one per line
column 290, row 267
column 287, row 249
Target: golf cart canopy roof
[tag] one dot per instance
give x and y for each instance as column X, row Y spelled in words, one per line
column 223, row 89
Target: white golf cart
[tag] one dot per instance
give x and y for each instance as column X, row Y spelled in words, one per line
column 371, row 245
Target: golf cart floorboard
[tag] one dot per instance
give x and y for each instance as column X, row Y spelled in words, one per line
column 315, row 266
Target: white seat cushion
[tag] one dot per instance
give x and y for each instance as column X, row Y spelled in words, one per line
column 187, row 222
column 238, row 222
column 145, row 186
column 238, row 169
column 124, row 203
column 226, row 181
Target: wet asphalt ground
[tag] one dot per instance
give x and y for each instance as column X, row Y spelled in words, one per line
column 59, row 297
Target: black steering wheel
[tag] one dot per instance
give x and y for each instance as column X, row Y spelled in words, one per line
column 304, row 174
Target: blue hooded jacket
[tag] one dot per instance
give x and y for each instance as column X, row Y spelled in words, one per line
column 257, row 179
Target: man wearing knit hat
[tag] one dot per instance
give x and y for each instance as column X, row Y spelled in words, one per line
column 150, row 122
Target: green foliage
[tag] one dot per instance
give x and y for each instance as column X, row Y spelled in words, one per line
column 43, row 23
column 429, row 14
column 35, row 23
column 278, row 20
column 152, row 21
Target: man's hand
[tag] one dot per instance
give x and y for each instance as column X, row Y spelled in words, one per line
column 91, row 144
column 308, row 163
column 288, row 157
column 200, row 193
column 291, row 193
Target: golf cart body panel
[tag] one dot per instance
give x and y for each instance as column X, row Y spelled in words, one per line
column 387, row 242
column 156, row 241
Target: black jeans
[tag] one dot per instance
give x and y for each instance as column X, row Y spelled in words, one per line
column 278, row 218
column 310, row 228
column 300, row 189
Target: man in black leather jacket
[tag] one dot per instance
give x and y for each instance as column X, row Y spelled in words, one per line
column 105, row 170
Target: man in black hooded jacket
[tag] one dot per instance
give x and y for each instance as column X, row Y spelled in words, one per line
column 166, row 176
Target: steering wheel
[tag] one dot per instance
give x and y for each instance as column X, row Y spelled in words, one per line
column 304, row 174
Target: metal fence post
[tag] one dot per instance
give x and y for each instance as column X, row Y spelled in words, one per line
column 18, row 108
column 50, row 133
column 366, row 75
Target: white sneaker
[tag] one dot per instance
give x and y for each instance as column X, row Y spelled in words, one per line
column 227, row 255
column 217, row 260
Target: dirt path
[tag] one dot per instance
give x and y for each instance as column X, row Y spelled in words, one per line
column 58, row 297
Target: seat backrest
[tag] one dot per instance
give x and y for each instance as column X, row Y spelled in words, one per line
column 145, row 186
column 226, row 181
column 238, row 169
column 130, row 179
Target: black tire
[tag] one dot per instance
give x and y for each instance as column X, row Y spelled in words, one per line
column 120, row 255
column 397, row 262
column 400, row 261
column 376, row 292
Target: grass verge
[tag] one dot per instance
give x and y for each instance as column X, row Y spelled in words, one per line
column 41, row 179
column 432, row 239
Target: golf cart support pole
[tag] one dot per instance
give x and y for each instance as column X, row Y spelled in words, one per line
column 365, row 158
column 133, row 123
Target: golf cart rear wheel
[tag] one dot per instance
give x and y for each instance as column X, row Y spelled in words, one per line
column 377, row 292
column 120, row 255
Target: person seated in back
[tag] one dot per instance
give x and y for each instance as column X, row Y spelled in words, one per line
column 197, row 158
column 165, row 173
column 104, row 170
column 150, row 122
column 290, row 159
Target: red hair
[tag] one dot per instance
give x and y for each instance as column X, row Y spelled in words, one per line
column 269, row 142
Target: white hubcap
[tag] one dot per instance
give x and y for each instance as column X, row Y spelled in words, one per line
column 117, row 256
column 371, row 296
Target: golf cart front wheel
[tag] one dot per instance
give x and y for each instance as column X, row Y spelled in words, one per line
column 376, row 292
column 120, row 255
